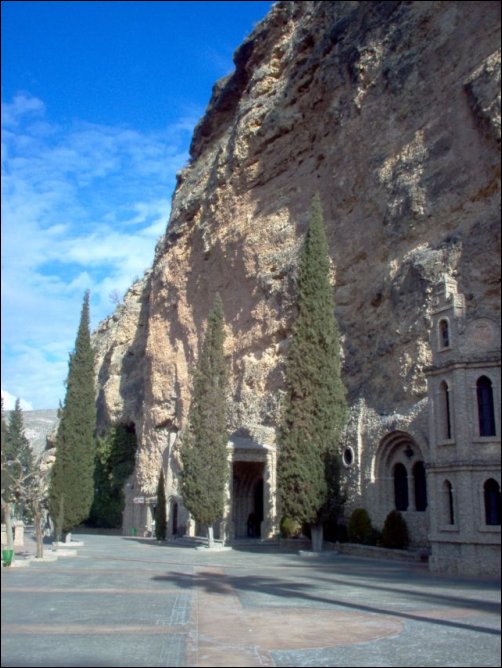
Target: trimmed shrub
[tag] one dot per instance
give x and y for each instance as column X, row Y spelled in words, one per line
column 290, row 528
column 395, row 531
column 359, row 529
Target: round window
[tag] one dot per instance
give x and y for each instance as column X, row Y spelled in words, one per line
column 348, row 456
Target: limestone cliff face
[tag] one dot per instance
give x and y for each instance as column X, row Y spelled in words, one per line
column 391, row 110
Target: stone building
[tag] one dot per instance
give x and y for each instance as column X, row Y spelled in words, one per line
column 438, row 463
column 463, row 470
column 384, row 461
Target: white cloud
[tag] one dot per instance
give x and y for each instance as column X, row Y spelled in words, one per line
column 21, row 105
column 82, row 207
column 9, row 402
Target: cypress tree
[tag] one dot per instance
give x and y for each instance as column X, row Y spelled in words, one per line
column 315, row 407
column 19, row 456
column 160, row 510
column 204, row 451
column 72, row 487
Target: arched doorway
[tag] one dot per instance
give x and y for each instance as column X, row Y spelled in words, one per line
column 247, row 498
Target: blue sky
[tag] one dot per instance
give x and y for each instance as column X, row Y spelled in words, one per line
column 99, row 101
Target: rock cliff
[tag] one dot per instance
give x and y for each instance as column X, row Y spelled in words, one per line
column 391, row 110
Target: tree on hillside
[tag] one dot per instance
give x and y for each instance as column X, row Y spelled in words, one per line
column 160, row 510
column 72, row 484
column 204, row 450
column 315, row 407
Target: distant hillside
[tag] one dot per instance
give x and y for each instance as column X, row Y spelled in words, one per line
column 37, row 425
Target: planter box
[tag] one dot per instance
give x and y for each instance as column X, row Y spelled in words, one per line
column 382, row 552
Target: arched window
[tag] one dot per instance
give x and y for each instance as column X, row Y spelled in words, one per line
column 175, row 518
column 492, row 502
column 486, row 411
column 449, row 513
column 445, row 410
column 420, row 487
column 348, row 456
column 400, row 487
column 444, row 334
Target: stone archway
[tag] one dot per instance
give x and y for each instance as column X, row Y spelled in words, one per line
column 247, row 497
column 252, row 488
column 400, row 477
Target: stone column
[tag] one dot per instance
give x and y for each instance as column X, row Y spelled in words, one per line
column 269, row 524
column 227, row 528
column 411, row 490
column 19, row 533
column 190, row 526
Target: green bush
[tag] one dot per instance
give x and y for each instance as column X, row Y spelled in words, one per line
column 290, row 528
column 395, row 531
column 359, row 529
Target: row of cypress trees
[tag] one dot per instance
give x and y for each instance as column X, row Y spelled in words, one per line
column 314, row 413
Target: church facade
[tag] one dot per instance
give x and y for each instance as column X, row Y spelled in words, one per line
column 439, row 464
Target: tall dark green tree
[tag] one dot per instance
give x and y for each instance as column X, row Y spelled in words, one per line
column 115, row 456
column 204, row 451
column 72, row 486
column 315, row 407
column 160, row 509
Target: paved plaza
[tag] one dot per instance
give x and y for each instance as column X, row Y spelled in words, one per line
column 124, row 601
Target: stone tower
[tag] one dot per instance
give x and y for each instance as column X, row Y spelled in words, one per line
column 464, row 437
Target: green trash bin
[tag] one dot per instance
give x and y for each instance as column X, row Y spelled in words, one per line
column 7, row 556
column 133, row 532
